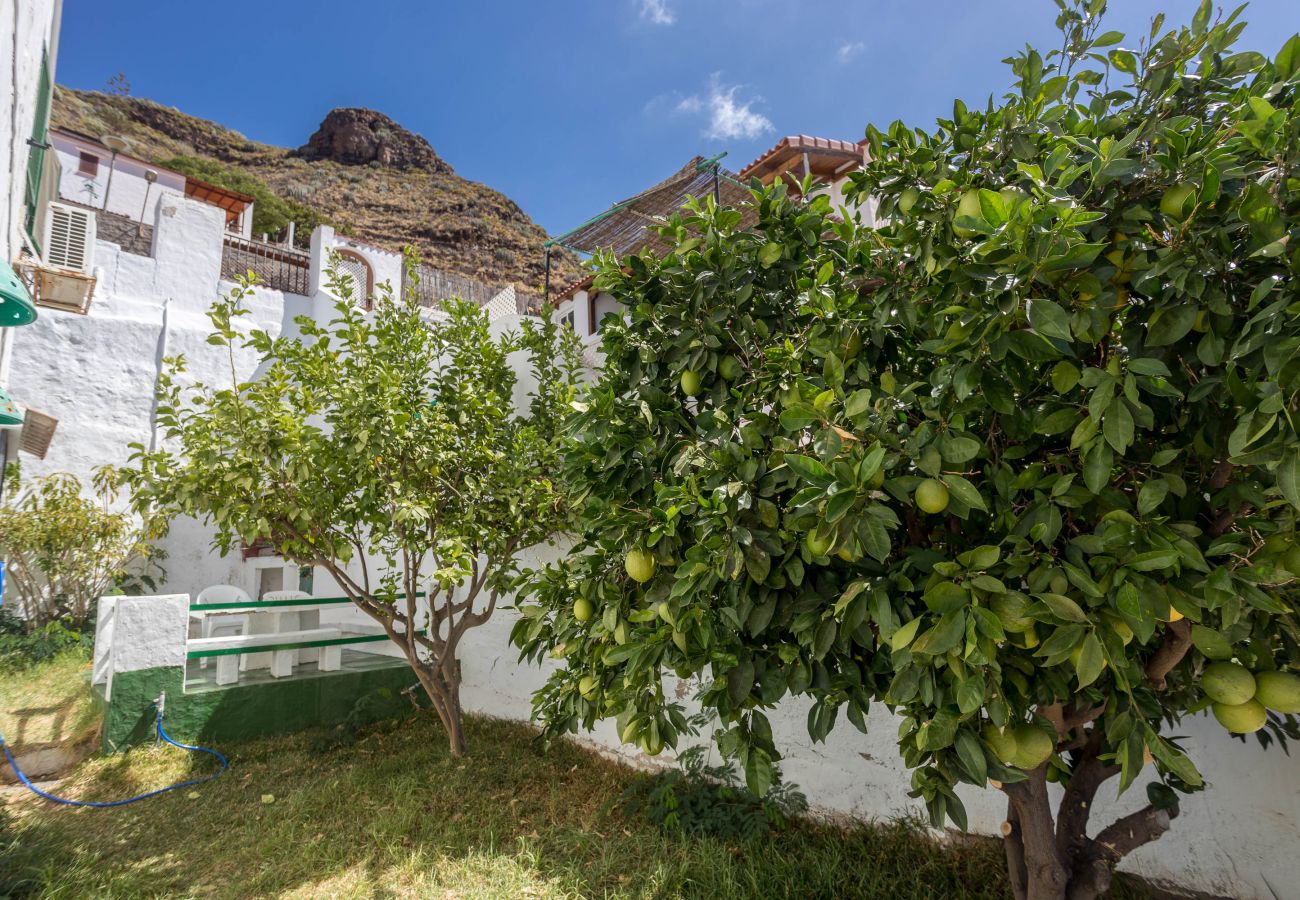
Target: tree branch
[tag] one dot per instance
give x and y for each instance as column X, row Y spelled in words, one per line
column 1173, row 647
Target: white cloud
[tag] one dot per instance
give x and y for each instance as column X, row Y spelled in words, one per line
column 730, row 118
column 849, row 50
column 657, row 12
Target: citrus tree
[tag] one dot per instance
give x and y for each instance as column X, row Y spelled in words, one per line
column 63, row 549
column 385, row 448
column 1021, row 464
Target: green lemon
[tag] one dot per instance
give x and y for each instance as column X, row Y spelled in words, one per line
column 729, row 368
column 582, row 609
column 908, row 198
column 691, row 383
column 640, row 565
column 587, row 686
column 931, row 496
column 1228, row 683
column 1291, row 560
column 1177, row 200
column 1241, row 718
column 1279, row 691
column 652, row 746
column 818, row 546
column 1002, row 741
column 1034, row 746
column 968, row 205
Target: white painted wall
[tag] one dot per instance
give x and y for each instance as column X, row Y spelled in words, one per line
column 385, row 265
column 130, row 196
column 96, row 373
column 25, row 27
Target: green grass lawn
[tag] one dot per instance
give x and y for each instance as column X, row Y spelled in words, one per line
column 393, row 815
column 48, row 703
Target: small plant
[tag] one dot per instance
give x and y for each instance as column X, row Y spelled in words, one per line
column 118, row 86
column 698, row 798
column 21, row 649
column 64, row 549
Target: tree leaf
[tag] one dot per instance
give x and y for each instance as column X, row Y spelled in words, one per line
column 1092, row 660
column 1049, row 320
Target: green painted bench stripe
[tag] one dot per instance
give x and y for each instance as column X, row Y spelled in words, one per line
column 298, row 645
column 255, row 605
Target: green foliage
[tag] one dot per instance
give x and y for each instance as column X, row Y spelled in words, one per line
column 62, row 549
column 22, row 647
column 697, row 798
column 383, row 446
column 271, row 212
column 1078, row 315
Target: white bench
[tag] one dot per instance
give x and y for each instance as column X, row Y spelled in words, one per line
column 331, row 658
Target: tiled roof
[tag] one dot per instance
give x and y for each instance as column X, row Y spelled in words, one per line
column 798, row 144
column 571, row 289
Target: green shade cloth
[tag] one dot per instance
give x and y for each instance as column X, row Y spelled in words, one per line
column 10, row 414
column 16, row 306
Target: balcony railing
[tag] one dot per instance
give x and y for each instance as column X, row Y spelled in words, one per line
column 278, row 267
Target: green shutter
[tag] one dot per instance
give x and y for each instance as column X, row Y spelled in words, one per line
column 36, row 152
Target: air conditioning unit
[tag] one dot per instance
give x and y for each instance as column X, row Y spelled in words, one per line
column 64, row 280
column 70, row 238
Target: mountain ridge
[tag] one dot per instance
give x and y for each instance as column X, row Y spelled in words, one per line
column 361, row 172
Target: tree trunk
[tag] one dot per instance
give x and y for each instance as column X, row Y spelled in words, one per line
column 1054, row 859
column 1044, row 874
column 444, row 693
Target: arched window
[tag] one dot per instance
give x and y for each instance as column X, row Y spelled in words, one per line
column 354, row 266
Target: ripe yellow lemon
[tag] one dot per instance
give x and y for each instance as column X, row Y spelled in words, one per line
column 931, row 496
column 640, row 565
column 1228, row 683
column 1241, row 718
column 1175, row 615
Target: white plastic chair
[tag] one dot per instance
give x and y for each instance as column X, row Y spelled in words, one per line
column 307, row 619
column 222, row 625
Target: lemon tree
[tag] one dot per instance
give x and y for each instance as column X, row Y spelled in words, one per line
column 1021, row 464
column 383, row 446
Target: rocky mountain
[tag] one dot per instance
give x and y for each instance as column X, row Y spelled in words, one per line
column 361, row 172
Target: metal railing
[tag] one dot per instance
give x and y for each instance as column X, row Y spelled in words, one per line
column 435, row 286
column 278, row 267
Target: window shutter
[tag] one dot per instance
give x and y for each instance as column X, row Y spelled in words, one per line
column 70, row 238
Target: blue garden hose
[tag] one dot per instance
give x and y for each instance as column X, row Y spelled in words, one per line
column 162, row 735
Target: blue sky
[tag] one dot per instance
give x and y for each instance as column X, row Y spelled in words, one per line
column 570, row 105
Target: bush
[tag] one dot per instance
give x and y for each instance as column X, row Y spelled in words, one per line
column 64, row 550
column 22, row 649
column 702, row 799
